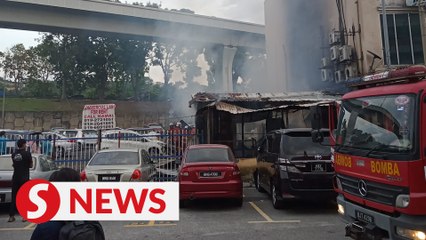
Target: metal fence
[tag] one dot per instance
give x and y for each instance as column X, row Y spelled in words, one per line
column 164, row 148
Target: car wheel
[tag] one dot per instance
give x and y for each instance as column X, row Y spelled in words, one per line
column 276, row 202
column 257, row 183
column 154, row 152
column 182, row 203
column 239, row 202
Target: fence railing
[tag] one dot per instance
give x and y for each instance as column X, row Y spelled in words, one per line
column 164, row 148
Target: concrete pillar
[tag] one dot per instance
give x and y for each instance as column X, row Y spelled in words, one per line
column 223, row 73
column 227, row 61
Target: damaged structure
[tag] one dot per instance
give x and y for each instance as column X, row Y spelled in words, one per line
column 241, row 120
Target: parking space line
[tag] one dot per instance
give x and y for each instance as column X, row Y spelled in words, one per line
column 267, row 218
column 149, row 224
column 283, row 221
column 30, row 226
column 262, row 213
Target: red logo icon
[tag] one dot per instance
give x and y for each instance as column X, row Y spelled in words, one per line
column 38, row 201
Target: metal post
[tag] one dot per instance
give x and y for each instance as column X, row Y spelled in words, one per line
column 4, row 99
column 3, row 104
column 386, row 35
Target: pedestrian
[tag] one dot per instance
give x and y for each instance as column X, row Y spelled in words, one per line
column 50, row 230
column 46, row 146
column 3, row 143
column 22, row 162
column 54, row 230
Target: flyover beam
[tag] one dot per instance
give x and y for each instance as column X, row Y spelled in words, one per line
column 82, row 16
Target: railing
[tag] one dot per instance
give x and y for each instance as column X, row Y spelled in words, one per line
column 163, row 148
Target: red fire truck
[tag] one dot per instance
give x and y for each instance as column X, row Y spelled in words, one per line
column 379, row 144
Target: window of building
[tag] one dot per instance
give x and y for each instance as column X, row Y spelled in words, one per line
column 405, row 40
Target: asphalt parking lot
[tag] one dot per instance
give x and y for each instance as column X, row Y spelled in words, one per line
column 218, row 219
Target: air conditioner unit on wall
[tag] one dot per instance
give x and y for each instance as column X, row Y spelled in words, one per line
column 411, row 3
column 325, row 62
column 350, row 72
column 326, row 75
column 334, row 38
column 345, row 53
column 334, row 53
column 339, row 76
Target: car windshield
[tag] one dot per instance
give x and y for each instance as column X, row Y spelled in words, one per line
column 384, row 123
column 115, row 158
column 208, row 155
column 294, row 141
column 90, row 133
column 69, row 133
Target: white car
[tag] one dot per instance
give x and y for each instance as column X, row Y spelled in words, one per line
column 112, row 139
column 43, row 167
column 84, row 138
column 64, row 145
column 115, row 165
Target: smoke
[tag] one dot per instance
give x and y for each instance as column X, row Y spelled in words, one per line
column 297, row 35
column 240, row 10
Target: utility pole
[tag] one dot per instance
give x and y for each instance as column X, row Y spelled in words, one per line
column 386, row 35
column 4, row 99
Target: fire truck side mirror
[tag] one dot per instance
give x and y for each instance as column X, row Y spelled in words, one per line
column 316, row 116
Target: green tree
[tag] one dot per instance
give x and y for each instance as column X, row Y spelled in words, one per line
column 16, row 66
column 132, row 57
column 62, row 51
column 166, row 56
column 188, row 64
column 97, row 61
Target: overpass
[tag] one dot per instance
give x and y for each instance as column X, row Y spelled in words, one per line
column 109, row 18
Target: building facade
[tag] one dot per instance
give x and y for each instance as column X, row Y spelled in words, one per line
column 312, row 45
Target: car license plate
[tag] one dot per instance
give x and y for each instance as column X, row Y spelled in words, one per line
column 318, row 167
column 2, row 198
column 109, row 178
column 210, row 174
column 364, row 217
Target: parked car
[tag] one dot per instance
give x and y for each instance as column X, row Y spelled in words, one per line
column 131, row 139
column 290, row 165
column 64, row 145
column 84, row 138
column 209, row 171
column 147, row 132
column 115, row 165
column 43, row 167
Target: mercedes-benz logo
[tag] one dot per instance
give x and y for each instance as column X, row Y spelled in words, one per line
column 362, row 188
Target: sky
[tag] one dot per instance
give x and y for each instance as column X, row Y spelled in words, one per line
column 240, row 10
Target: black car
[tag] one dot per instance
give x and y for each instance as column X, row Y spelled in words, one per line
column 290, row 165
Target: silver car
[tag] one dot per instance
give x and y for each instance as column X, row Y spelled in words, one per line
column 115, row 165
column 43, row 167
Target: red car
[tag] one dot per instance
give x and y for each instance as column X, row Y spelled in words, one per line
column 209, row 171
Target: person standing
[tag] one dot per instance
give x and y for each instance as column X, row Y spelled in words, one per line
column 54, row 230
column 3, row 143
column 22, row 162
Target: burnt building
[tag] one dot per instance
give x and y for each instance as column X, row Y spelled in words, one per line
column 241, row 120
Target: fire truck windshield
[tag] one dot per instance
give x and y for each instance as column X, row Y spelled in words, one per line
column 382, row 124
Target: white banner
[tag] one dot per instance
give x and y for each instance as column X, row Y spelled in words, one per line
column 99, row 116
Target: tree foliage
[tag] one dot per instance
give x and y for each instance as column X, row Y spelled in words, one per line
column 107, row 67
